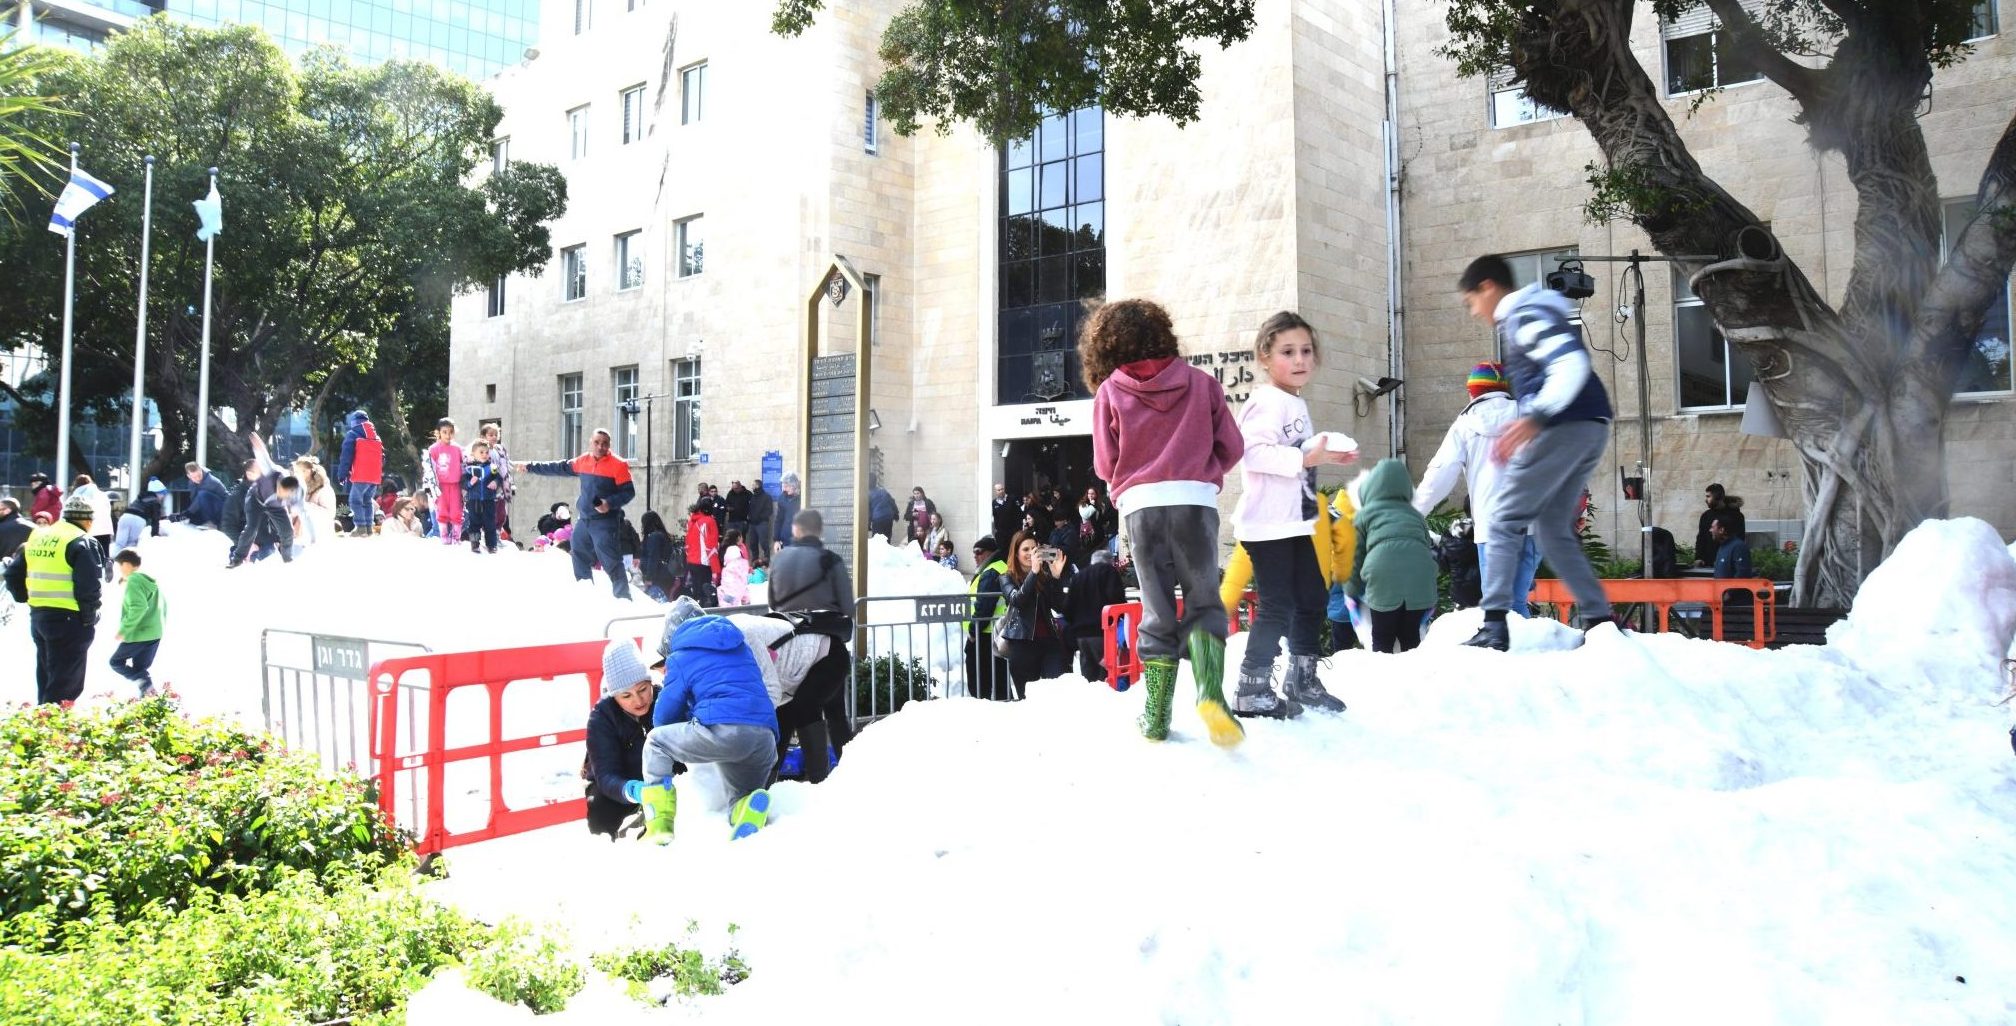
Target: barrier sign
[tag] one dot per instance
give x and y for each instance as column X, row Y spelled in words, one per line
column 341, row 657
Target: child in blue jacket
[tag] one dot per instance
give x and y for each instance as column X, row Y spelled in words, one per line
column 712, row 707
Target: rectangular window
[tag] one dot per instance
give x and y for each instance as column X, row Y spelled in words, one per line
column 1530, row 267
column 573, row 273
column 686, row 408
column 1052, row 256
column 570, row 413
column 1697, row 54
column 1714, row 375
column 500, row 154
column 1986, row 21
column 868, row 124
column 629, row 261
column 633, row 114
column 692, row 93
column 628, row 412
column 496, row 306
column 584, row 14
column 577, row 132
column 692, row 247
column 1511, row 106
column 1987, row 367
column 872, row 295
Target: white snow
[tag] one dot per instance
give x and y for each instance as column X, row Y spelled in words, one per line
column 1644, row 829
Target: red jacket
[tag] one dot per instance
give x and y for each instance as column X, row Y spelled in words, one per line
column 48, row 500
column 703, row 542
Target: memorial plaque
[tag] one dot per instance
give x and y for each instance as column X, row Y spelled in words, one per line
column 843, row 403
column 841, row 366
column 835, row 443
column 824, row 387
column 834, row 424
column 833, row 461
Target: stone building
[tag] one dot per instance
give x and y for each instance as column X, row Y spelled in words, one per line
column 716, row 171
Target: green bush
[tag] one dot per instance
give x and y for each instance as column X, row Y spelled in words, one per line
column 1774, row 564
column 885, row 684
column 527, row 968
column 691, row 972
column 138, row 806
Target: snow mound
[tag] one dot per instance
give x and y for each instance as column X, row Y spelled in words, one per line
column 1944, row 600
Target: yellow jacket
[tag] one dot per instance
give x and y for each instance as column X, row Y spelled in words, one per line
column 1336, row 551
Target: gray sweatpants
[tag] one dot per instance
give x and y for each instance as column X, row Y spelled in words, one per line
column 1542, row 486
column 1175, row 546
column 745, row 753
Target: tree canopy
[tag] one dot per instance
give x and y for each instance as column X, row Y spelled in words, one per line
column 350, row 220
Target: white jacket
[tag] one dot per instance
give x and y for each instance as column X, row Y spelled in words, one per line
column 1466, row 453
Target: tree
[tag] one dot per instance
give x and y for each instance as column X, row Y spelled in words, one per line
column 350, row 221
column 21, row 147
column 1862, row 387
column 1000, row 64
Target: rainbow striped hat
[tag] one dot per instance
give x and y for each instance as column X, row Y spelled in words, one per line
column 1488, row 377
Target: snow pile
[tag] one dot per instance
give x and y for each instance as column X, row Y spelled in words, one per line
column 901, row 571
column 1939, row 603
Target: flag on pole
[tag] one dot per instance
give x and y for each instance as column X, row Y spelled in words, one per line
column 80, row 195
column 210, row 210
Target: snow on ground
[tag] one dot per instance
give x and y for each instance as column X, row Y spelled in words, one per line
column 1644, row 829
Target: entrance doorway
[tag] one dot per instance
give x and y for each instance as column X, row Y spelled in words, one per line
column 1065, row 463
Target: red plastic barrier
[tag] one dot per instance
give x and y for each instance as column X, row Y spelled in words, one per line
column 1128, row 664
column 493, row 671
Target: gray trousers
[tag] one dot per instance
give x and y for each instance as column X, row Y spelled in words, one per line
column 745, row 753
column 1542, row 486
column 1175, row 546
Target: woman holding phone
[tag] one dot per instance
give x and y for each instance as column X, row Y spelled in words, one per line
column 1033, row 593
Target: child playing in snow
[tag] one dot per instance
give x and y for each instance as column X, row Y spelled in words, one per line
column 1163, row 438
column 140, row 617
column 441, row 479
column 712, row 707
column 734, row 589
column 1393, row 576
column 481, row 489
column 1276, row 519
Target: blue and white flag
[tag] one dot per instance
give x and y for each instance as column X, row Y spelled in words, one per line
column 80, row 195
column 210, row 211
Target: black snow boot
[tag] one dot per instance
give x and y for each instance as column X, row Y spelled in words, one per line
column 1494, row 634
column 1302, row 685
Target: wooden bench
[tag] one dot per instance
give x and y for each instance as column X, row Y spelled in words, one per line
column 1795, row 625
column 1759, row 621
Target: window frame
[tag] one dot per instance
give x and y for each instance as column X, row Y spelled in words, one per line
column 578, row 274
column 871, row 141
column 687, row 395
column 693, row 108
column 2008, row 300
column 584, row 16
column 633, row 114
column 577, row 132
column 1994, row 9
column 1493, row 88
column 497, row 297
column 626, row 250
column 871, row 294
column 691, row 264
column 1684, row 298
column 572, row 417
column 500, row 154
column 627, row 433
column 1714, row 64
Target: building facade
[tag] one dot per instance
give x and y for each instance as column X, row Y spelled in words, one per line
column 716, row 171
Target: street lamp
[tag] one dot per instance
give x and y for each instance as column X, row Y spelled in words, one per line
column 630, row 407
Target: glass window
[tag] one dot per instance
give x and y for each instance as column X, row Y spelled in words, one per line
column 1987, row 368
column 633, row 114
column 692, row 247
column 1713, row 374
column 628, row 413
column 577, row 132
column 1986, row 20
column 685, row 408
column 570, row 413
column 868, row 123
column 500, row 154
column 872, row 295
column 1052, row 254
column 1698, row 57
column 692, row 93
column 629, row 261
column 1511, row 106
column 496, row 306
column 584, row 14
column 573, row 273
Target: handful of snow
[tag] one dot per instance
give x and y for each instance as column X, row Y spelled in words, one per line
column 1334, row 441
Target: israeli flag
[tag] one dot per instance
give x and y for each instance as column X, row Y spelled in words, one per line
column 80, row 195
column 210, row 211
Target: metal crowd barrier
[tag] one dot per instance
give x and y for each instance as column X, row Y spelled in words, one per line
column 314, row 694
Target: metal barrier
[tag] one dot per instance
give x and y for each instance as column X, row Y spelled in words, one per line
column 1662, row 594
column 650, row 637
column 909, row 647
column 314, row 697
column 566, row 678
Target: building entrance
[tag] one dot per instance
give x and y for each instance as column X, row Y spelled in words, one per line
column 1065, row 463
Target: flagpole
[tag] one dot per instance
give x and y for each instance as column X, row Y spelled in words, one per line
column 69, row 305
column 203, row 379
column 134, row 486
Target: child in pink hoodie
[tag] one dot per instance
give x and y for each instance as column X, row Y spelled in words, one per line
column 443, row 480
column 1162, row 440
column 734, row 590
column 1276, row 520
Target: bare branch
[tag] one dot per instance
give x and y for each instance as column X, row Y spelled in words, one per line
column 1749, row 42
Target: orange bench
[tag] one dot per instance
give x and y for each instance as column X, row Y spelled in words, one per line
column 1663, row 593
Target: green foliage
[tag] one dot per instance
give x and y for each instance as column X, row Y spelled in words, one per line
column 527, row 968
column 691, row 972
column 1628, row 193
column 24, row 148
column 134, row 806
column 885, row 684
column 1774, row 564
column 1000, row 67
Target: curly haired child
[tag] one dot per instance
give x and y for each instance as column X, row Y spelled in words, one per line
column 1163, row 440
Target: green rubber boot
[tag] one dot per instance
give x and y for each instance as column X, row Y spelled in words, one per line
column 1160, row 675
column 1207, row 665
column 661, row 803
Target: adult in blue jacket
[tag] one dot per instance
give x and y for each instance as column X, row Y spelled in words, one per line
column 207, row 497
column 605, row 489
column 712, row 707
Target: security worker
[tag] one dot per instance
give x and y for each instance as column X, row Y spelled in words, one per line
column 58, row 573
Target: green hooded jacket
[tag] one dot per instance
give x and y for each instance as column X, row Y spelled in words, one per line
column 1396, row 561
column 141, row 613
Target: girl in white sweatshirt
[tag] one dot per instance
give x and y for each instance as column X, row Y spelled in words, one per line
column 1275, row 521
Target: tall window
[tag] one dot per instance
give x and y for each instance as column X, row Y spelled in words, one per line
column 868, row 123
column 496, row 305
column 584, row 14
column 872, row 295
column 1986, row 20
column 1052, row 254
column 692, row 245
column 1697, row 54
column 573, row 273
column 692, row 93
column 624, row 380
column 577, row 132
column 629, row 261
column 633, row 114
column 1988, row 367
column 1511, row 106
column 1714, row 375
column 685, row 408
column 570, row 413
column 500, row 154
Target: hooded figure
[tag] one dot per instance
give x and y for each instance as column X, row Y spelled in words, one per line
column 361, row 470
column 713, row 708
column 1395, row 565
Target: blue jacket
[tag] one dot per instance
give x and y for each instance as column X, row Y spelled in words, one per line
column 711, row 679
column 1733, row 560
column 479, row 485
column 1551, row 375
column 606, row 478
column 206, row 500
column 881, row 507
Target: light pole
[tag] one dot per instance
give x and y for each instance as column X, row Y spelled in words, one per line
column 629, row 406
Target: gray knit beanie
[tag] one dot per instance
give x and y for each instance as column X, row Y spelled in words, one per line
column 622, row 666
column 684, row 608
